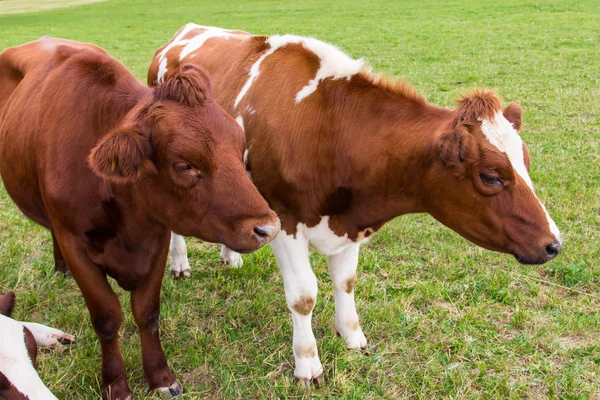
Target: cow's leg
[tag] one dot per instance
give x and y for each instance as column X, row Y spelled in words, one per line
column 231, row 257
column 145, row 304
column 180, row 266
column 342, row 269
column 46, row 336
column 105, row 313
column 301, row 294
column 60, row 266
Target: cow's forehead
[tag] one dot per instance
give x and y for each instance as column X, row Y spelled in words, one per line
column 504, row 137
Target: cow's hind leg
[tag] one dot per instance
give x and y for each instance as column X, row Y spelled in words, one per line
column 301, row 294
column 342, row 269
column 180, row 266
column 105, row 313
column 230, row 257
column 145, row 304
column 60, row 266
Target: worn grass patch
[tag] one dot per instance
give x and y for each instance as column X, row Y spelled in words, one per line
column 21, row 6
column 444, row 318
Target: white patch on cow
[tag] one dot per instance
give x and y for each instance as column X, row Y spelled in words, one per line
column 334, row 63
column 325, row 241
column 246, row 152
column 162, row 70
column 46, row 336
column 240, row 122
column 179, row 259
column 250, row 110
column 198, row 41
column 506, row 139
column 15, row 363
column 177, row 41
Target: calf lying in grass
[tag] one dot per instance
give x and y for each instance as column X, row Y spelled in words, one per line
column 18, row 353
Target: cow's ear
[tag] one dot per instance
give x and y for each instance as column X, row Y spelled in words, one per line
column 122, row 156
column 7, row 303
column 512, row 113
column 454, row 146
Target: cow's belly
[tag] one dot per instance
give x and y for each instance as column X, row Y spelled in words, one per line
column 325, row 241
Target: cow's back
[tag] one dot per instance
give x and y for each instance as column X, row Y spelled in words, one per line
column 44, row 122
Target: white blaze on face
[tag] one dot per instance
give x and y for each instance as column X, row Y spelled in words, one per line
column 15, row 363
column 505, row 138
column 334, row 63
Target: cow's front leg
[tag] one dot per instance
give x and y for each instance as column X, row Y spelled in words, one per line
column 230, row 257
column 301, row 294
column 180, row 266
column 342, row 269
column 145, row 304
column 105, row 313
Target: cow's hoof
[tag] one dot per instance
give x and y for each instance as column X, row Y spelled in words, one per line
column 182, row 274
column 66, row 339
column 171, row 391
column 307, row 383
column 66, row 274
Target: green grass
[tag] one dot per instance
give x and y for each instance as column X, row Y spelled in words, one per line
column 444, row 318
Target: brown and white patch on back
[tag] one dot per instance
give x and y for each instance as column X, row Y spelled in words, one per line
column 190, row 38
column 333, row 64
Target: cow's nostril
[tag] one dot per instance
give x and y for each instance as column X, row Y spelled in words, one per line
column 264, row 231
column 553, row 249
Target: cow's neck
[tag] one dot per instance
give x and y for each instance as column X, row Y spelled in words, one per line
column 392, row 150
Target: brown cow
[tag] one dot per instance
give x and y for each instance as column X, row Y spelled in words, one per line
column 338, row 151
column 111, row 167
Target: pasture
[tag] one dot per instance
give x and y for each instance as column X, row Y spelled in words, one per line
column 444, row 318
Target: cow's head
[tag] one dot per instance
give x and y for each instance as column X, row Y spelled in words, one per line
column 18, row 350
column 183, row 155
column 481, row 184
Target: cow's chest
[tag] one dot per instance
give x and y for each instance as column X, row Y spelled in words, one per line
column 321, row 238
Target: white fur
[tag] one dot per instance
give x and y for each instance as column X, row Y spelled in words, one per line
column 177, row 41
column 179, row 258
column 505, row 138
column 231, row 257
column 334, row 63
column 46, row 336
column 15, row 363
column 240, row 122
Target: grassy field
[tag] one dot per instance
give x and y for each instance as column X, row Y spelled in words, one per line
column 444, row 318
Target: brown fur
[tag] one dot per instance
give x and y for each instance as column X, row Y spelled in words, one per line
column 93, row 160
column 350, row 282
column 304, row 305
column 305, row 352
column 367, row 149
column 7, row 303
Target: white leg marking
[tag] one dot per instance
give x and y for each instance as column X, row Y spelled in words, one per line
column 46, row 336
column 231, row 257
column 15, row 363
column 179, row 259
column 301, row 293
column 342, row 268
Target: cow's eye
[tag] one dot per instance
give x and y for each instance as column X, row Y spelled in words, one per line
column 489, row 179
column 182, row 167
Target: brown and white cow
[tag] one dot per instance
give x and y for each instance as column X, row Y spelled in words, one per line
column 18, row 354
column 111, row 167
column 338, row 151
